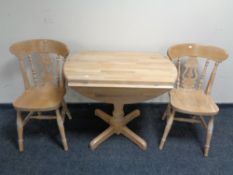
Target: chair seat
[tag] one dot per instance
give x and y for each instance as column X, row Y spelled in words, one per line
column 194, row 102
column 40, row 99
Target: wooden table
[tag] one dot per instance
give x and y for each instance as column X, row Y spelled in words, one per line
column 119, row 78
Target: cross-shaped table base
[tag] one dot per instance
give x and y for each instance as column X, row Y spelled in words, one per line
column 118, row 126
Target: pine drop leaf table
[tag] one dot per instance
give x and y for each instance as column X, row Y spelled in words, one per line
column 119, row 78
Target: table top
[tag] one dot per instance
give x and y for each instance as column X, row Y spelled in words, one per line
column 120, row 69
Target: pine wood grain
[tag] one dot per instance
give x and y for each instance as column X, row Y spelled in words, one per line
column 41, row 64
column 191, row 96
column 119, row 78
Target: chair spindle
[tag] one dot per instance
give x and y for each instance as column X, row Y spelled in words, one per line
column 34, row 74
column 178, row 79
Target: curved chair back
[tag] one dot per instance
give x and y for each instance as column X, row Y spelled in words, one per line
column 41, row 61
column 191, row 74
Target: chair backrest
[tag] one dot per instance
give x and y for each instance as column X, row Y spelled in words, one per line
column 191, row 73
column 41, row 61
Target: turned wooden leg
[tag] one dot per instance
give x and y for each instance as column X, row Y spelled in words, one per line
column 102, row 137
column 134, row 138
column 61, row 129
column 19, row 123
column 209, row 134
column 167, row 129
column 167, row 112
column 67, row 112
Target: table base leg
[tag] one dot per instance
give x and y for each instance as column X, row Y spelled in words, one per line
column 102, row 137
column 134, row 138
column 117, row 126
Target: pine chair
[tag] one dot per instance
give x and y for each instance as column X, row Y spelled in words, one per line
column 41, row 64
column 197, row 66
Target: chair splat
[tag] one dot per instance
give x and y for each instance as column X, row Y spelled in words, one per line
column 190, row 74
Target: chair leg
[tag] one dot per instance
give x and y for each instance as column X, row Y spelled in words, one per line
column 19, row 123
column 209, row 134
column 167, row 112
column 61, row 129
column 170, row 120
column 65, row 108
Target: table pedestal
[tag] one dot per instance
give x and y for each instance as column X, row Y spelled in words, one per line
column 118, row 126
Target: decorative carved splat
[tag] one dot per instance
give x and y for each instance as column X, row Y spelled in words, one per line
column 47, row 67
column 189, row 75
column 34, row 73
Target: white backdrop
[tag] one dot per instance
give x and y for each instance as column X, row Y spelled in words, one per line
column 126, row 25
